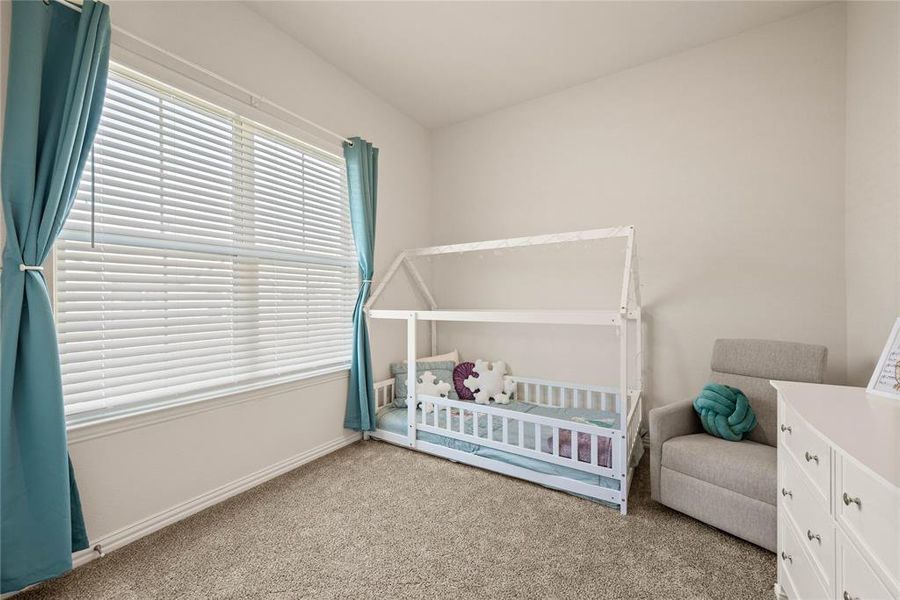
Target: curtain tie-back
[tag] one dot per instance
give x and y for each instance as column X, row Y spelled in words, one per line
column 366, row 281
column 24, row 267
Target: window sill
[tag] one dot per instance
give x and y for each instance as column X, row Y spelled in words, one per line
column 90, row 425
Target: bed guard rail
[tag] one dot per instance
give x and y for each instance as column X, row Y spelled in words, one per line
column 544, row 438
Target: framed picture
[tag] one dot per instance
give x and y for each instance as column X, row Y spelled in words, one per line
column 886, row 378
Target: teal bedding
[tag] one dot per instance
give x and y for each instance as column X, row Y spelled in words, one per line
column 394, row 420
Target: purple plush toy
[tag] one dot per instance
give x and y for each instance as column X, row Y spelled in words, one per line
column 461, row 372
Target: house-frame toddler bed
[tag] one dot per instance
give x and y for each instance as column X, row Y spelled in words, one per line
column 582, row 439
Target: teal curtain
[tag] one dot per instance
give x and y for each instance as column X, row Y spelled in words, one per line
column 362, row 185
column 58, row 62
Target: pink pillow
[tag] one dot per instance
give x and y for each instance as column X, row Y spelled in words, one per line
column 460, row 373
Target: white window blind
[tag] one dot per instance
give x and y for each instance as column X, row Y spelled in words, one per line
column 204, row 254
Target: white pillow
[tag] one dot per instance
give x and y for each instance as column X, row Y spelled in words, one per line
column 450, row 356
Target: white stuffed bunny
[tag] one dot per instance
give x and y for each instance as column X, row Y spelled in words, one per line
column 489, row 382
column 429, row 386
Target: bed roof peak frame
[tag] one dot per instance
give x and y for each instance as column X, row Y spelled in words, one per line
column 630, row 299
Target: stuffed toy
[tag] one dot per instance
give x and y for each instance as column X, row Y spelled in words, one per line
column 429, row 386
column 487, row 382
column 509, row 388
column 461, row 372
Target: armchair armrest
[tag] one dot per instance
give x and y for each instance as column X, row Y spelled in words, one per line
column 667, row 422
column 673, row 420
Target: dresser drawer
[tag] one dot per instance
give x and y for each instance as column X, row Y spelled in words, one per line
column 857, row 580
column 802, row 582
column 810, row 514
column 810, row 449
column 870, row 510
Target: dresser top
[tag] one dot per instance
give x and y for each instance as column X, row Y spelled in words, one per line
column 864, row 426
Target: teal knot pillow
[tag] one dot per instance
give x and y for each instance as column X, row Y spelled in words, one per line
column 725, row 412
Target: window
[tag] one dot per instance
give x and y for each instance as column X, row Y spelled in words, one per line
column 204, row 254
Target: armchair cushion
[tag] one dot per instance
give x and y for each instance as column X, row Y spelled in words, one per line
column 745, row 467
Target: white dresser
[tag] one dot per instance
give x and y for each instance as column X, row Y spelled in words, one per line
column 838, row 493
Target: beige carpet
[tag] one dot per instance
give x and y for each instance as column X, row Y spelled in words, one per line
column 376, row 521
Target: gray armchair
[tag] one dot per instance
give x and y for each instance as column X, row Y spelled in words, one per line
column 730, row 485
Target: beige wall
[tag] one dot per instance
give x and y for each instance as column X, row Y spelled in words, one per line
column 872, row 182
column 727, row 158
column 138, row 473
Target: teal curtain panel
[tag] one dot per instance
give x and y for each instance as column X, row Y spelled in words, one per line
column 58, row 65
column 362, row 185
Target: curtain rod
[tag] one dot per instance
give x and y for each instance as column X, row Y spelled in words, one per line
column 255, row 99
column 73, row 4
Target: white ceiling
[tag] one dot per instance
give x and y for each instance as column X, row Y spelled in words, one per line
column 443, row 62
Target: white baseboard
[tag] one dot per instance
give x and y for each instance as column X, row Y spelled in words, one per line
column 137, row 530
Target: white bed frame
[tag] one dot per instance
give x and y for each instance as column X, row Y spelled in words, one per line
column 625, row 401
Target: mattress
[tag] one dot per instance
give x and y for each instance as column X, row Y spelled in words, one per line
column 394, row 420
